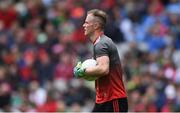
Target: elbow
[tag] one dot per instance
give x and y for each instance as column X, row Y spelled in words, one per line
column 105, row 71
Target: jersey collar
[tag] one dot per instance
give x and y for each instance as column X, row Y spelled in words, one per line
column 98, row 38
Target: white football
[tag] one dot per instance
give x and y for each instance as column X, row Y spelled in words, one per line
column 88, row 63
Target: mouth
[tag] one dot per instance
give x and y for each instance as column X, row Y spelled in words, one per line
column 84, row 30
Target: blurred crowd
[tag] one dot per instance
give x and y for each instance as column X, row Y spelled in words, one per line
column 42, row 40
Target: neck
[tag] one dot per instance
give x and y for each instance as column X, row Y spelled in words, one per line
column 96, row 34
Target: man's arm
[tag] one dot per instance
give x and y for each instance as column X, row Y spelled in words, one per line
column 101, row 69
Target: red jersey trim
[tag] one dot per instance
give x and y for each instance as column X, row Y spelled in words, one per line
column 97, row 39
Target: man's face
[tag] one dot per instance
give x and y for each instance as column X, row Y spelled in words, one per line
column 88, row 25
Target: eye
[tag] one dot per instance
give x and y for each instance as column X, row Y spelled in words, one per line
column 86, row 22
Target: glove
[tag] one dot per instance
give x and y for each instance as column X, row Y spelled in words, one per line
column 78, row 71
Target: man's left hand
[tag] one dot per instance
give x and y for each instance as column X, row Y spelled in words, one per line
column 78, row 71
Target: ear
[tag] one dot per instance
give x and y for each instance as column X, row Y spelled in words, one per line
column 96, row 25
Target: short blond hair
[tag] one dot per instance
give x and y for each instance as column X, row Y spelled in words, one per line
column 100, row 15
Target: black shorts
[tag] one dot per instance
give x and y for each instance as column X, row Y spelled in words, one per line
column 117, row 105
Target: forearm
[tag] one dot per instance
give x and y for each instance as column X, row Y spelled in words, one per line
column 101, row 69
column 97, row 71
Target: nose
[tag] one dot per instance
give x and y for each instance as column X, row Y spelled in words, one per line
column 84, row 25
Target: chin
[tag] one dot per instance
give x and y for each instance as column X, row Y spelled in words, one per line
column 85, row 33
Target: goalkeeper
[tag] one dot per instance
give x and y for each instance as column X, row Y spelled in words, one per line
column 110, row 91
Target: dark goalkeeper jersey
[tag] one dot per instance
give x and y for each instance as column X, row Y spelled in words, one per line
column 109, row 87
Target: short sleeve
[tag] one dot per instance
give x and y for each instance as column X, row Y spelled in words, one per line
column 101, row 49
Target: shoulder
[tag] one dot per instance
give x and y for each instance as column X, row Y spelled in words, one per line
column 105, row 38
column 104, row 42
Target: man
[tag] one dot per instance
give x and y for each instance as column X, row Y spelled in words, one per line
column 110, row 92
